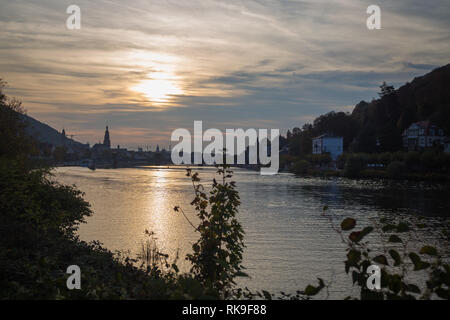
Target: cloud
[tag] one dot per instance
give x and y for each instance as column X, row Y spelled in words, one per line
column 252, row 63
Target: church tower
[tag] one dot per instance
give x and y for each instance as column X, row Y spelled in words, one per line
column 106, row 141
column 63, row 137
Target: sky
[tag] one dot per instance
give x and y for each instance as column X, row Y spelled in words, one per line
column 145, row 68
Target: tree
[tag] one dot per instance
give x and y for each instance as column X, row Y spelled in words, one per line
column 386, row 90
column 15, row 143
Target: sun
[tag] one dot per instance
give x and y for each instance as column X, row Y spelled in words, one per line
column 159, row 89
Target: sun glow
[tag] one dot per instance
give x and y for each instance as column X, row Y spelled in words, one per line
column 160, row 88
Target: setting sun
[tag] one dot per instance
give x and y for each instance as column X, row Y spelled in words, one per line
column 158, row 89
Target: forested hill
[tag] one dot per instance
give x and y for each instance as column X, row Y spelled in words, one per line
column 44, row 133
column 425, row 98
column 383, row 120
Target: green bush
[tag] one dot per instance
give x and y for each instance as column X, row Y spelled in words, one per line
column 396, row 261
column 217, row 255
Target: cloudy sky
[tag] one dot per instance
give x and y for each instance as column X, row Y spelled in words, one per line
column 147, row 67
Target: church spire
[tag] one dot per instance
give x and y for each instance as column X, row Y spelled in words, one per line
column 106, row 140
column 63, row 137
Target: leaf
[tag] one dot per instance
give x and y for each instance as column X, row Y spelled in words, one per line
column 267, row 295
column 394, row 238
column 241, row 274
column 355, row 276
column 348, row 224
column 353, row 257
column 365, row 232
column 357, row 236
column 354, row 236
column 418, row 263
column 403, row 227
column 429, row 250
column 312, row 291
column 443, row 293
column 381, row 259
column 388, row 227
column 396, row 256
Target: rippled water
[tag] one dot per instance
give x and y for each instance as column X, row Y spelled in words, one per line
column 289, row 241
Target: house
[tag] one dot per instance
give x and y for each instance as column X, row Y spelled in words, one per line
column 421, row 135
column 328, row 144
column 447, row 146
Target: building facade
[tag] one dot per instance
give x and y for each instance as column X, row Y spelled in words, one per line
column 328, row 144
column 421, row 135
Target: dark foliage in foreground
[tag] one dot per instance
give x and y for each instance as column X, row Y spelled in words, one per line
column 38, row 221
column 398, row 259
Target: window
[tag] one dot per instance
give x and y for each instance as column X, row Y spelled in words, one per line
column 422, row 141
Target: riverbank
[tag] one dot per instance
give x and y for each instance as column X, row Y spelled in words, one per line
column 429, row 165
column 378, row 174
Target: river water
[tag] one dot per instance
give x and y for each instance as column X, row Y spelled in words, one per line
column 289, row 241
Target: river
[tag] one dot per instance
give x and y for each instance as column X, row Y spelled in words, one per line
column 289, row 241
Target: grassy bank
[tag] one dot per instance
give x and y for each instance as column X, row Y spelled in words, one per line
column 429, row 165
column 378, row 174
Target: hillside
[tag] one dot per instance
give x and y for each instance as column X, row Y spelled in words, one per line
column 425, row 98
column 377, row 126
column 44, row 133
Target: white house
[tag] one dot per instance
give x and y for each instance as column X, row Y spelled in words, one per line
column 328, row 144
column 422, row 135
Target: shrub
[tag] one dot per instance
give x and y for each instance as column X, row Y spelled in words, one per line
column 384, row 158
column 301, row 167
column 395, row 169
column 217, row 255
column 428, row 160
column 412, row 159
column 396, row 259
column 353, row 167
